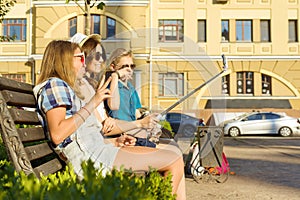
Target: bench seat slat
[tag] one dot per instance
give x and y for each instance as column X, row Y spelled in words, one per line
column 49, row 167
column 38, row 151
column 31, row 134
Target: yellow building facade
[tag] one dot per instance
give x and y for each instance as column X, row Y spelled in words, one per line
column 178, row 46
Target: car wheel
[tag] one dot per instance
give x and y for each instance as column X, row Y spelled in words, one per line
column 285, row 131
column 234, row 131
column 188, row 131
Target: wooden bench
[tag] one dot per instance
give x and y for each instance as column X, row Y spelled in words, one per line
column 27, row 146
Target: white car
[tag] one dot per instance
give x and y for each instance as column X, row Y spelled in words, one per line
column 262, row 123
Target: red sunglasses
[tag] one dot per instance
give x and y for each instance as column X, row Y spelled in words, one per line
column 82, row 57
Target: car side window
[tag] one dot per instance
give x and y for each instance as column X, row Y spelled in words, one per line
column 255, row 117
column 184, row 117
column 272, row 116
column 175, row 117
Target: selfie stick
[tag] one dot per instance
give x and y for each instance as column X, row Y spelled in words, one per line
column 225, row 66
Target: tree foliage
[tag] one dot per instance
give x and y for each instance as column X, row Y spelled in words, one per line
column 5, row 6
column 88, row 4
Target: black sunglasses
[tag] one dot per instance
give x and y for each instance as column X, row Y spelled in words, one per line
column 132, row 66
column 98, row 56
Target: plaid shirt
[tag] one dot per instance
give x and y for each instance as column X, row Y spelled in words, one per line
column 51, row 94
column 58, row 93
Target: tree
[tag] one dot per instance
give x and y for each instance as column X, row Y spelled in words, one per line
column 88, row 4
column 5, row 6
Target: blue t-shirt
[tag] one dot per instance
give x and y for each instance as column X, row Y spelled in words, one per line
column 129, row 102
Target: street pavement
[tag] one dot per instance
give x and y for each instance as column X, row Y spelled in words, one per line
column 265, row 167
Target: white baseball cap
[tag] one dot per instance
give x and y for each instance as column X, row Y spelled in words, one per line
column 80, row 38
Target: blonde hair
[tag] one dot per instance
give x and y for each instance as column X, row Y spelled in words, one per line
column 116, row 56
column 58, row 62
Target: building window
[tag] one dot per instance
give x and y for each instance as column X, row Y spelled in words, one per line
column 245, row 82
column 293, row 35
column 170, row 30
column 243, row 30
column 225, row 84
column 265, row 28
column 95, row 24
column 72, row 26
column 15, row 28
column 16, row 77
column 266, row 84
column 170, row 84
column 225, row 30
column 111, row 27
column 201, row 30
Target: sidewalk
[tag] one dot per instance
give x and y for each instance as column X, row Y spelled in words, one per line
column 238, row 188
column 262, row 173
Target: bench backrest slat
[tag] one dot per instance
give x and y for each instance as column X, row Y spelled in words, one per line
column 24, row 117
column 27, row 146
column 12, row 85
column 19, row 99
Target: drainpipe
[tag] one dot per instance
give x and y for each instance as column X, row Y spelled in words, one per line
column 150, row 58
column 30, row 29
column 32, row 70
column 31, row 59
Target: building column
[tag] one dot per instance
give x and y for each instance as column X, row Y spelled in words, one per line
column 138, row 81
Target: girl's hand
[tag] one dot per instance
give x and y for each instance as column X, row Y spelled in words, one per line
column 102, row 81
column 108, row 124
column 125, row 140
column 150, row 121
column 102, row 91
column 125, row 73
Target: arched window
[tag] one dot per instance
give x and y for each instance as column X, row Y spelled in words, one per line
column 266, row 84
column 110, row 27
column 98, row 22
column 244, row 83
column 225, row 84
column 72, row 26
column 95, row 24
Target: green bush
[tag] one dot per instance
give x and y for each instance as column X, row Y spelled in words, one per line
column 3, row 154
column 166, row 125
column 119, row 184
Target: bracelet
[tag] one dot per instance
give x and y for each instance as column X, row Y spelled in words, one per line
column 81, row 116
column 86, row 110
